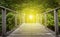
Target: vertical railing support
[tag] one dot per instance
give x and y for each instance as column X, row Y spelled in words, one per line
column 3, row 22
column 56, row 22
column 15, row 19
column 45, row 19
column 41, row 19
column 36, row 18
column 24, row 18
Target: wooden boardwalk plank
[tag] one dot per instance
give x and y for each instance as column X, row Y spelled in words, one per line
column 32, row 30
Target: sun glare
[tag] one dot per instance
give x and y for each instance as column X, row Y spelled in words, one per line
column 30, row 16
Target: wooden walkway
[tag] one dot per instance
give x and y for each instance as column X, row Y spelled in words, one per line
column 32, row 30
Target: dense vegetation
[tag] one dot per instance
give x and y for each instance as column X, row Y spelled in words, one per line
column 41, row 5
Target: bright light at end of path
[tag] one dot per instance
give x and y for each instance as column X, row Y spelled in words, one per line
column 30, row 16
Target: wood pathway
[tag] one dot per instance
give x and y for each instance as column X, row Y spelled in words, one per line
column 32, row 30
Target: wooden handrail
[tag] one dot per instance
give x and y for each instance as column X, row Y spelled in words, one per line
column 8, row 9
column 51, row 10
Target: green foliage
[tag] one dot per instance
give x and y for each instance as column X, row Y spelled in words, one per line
column 18, row 20
column 50, row 19
column 59, row 16
column 10, row 21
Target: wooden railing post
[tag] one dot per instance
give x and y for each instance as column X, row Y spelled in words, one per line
column 45, row 19
column 56, row 22
column 16, row 20
column 24, row 18
column 41, row 18
column 3, row 22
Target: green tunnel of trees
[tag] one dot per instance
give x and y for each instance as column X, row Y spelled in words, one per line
column 41, row 5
